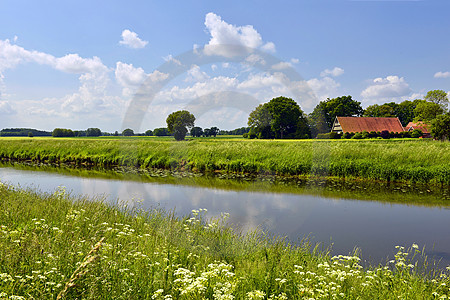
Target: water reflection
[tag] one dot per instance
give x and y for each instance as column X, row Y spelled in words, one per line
column 375, row 227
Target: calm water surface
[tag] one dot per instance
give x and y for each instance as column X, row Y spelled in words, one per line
column 374, row 227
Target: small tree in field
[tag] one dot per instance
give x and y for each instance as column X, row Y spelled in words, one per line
column 440, row 127
column 128, row 132
column 178, row 123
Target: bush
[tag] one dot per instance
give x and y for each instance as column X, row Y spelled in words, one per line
column 329, row 135
column 128, row 132
column 385, row 134
column 357, row 136
column 61, row 132
column 416, row 133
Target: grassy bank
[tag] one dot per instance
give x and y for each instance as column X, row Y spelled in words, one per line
column 421, row 161
column 54, row 245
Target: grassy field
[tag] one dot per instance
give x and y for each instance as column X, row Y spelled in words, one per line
column 423, row 161
column 55, row 246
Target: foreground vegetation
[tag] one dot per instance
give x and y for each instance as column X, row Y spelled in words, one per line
column 422, row 161
column 55, row 246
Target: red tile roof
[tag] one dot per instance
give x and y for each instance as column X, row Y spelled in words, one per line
column 419, row 125
column 359, row 124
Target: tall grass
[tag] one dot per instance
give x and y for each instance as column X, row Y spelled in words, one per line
column 421, row 161
column 55, row 246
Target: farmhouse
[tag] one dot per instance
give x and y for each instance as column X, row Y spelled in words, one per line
column 421, row 126
column 360, row 124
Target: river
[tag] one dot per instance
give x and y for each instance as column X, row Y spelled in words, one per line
column 373, row 224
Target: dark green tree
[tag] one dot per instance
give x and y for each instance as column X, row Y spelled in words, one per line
column 281, row 118
column 149, row 133
column 440, row 127
column 61, row 132
column 161, row 131
column 214, row 131
column 329, row 109
column 196, row 131
column 128, row 132
column 178, row 123
column 93, row 132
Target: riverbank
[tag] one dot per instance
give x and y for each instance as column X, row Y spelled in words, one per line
column 54, row 244
column 401, row 160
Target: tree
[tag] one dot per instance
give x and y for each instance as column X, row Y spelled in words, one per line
column 149, row 133
column 196, row 131
column 439, row 97
column 61, row 132
column 93, row 132
column 178, row 123
column 440, row 127
column 161, row 131
column 214, row 131
column 427, row 111
column 259, row 122
column 116, row 133
column 128, row 132
column 329, row 109
column 281, row 118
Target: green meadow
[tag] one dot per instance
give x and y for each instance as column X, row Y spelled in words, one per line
column 54, row 246
column 395, row 160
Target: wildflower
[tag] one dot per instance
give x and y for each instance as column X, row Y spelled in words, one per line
column 257, row 294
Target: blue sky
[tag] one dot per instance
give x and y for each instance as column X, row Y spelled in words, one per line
column 79, row 64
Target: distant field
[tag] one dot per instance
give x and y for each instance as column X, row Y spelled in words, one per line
column 424, row 161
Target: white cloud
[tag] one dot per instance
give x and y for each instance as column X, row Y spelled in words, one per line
column 295, row 60
column 130, row 78
column 389, row 87
column 6, row 108
column 131, row 39
column 196, row 75
column 224, row 36
column 170, row 58
column 269, row 47
column 225, row 65
column 442, row 75
column 254, row 59
column 73, row 63
column 324, row 88
column 214, row 67
column 334, row 72
column 281, row 65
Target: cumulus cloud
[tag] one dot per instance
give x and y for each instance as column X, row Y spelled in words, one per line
column 325, row 87
column 334, row 72
column 442, row 75
column 6, row 108
column 389, row 87
column 170, row 58
column 281, row 65
column 224, row 36
column 195, row 74
column 131, row 39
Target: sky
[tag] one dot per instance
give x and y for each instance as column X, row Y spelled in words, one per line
column 115, row 64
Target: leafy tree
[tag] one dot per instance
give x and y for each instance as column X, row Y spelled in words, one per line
column 325, row 112
column 161, row 131
column 61, row 132
column 30, row 134
column 93, row 132
column 440, row 127
column 149, row 133
column 116, row 133
column 259, row 122
column 214, row 131
column 387, row 110
column 281, row 118
column 178, row 123
column 439, row 97
column 196, row 131
column 128, row 132
column 427, row 111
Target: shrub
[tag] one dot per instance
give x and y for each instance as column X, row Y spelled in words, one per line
column 357, row 136
column 416, row 133
column 385, row 134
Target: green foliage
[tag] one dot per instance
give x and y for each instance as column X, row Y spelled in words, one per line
column 196, row 131
column 440, row 127
column 388, row 160
column 280, row 118
column 161, row 132
column 23, row 132
column 54, row 245
column 30, row 134
column 93, row 132
column 128, row 132
column 427, row 111
column 149, row 133
column 178, row 123
column 439, row 97
column 325, row 112
column 329, row 135
column 416, row 133
column 61, row 132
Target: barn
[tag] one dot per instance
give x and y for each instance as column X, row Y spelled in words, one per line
column 360, row 124
column 421, row 126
